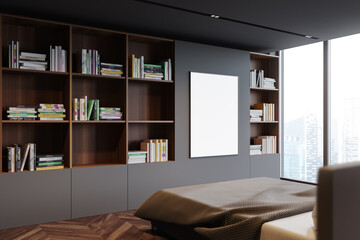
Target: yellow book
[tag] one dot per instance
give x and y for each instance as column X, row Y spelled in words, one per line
column 113, row 72
column 52, row 115
column 49, row 168
column 133, row 65
column 157, row 150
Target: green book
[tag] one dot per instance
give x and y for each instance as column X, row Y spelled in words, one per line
column 97, row 110
column 90, row 106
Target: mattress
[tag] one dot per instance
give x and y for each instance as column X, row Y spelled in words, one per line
column 298, row 227
column 228, row 210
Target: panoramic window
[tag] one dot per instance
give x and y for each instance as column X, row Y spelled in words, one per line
column 303, row 112
column 345, row 100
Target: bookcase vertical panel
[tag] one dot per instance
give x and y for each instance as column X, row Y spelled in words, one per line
column 141, row 131
column 1, row 64
column 111, row 45
column 49, row 138
column 98, row 144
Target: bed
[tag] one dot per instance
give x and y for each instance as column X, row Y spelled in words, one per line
column 261, row 208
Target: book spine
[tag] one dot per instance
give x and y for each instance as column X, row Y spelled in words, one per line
column 85, row 107
column 56, row 58
column 17, row 54
column 12, row 54
column 63, row 60
column 32, row 157
column 27, row 146
column 50, row 58
column 10, row 159
column 90, row 105
column 142, row 74
column 76, row 109
column 93, row 62
column 60, row 59
column 82, row 109
column 17, row 157
column 53, row 59
column 132, row 65
column 96, row 63
column 90, row 61
column 97, row 109
column 83, row 61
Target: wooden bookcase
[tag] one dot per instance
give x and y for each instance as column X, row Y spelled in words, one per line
column 147, row 105
column 270, row 65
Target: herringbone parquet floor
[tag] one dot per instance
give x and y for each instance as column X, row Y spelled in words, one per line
column 123, row 225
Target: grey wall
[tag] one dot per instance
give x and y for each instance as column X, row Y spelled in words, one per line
column 143, row 180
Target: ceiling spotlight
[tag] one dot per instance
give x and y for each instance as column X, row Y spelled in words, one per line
column 308, row 36
column 214, row 16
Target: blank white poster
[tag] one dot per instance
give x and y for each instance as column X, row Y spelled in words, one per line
column 213, row 115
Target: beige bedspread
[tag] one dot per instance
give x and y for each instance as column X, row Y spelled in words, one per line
column 229, row 210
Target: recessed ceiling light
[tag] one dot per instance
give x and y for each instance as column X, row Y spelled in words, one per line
column 308, row 36
column 214, row 16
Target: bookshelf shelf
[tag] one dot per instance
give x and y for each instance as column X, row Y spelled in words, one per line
column 263, row 89
column 149, row 121
column 35, row 121
column 150, row 80
column 98, row 122
column 32, row 72
column 265, row 122
column 149, row 103
column 270, row 65
column 80, row 75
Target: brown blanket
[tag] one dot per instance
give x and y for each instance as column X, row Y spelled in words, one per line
column 229, row 210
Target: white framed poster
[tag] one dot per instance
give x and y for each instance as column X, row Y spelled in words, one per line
column 213, row 115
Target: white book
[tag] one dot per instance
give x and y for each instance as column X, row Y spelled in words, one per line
column 37, row 55
column 83, row 61
column 170, row 70
column 33, row 64
column 56, row 58
column 63, row 55
column 53, row 59
column 51, row 118
column 90, row 62
column 142, row 67
column 33, row 68
column 60, row 59
column 25, row 157
column 17, row 54
column 50, row 54
column 32, row 157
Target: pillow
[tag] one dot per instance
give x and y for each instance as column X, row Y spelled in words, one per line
column 314, row 216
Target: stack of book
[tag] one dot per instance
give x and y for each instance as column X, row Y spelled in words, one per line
column 51, row 111
column 255, row 149
column 152, row 71
column 110, row 113
column 255, row 115
column 33, row 61
column 90, row 62
column 269, row 83
column 157, row 149
column 49, row 162
column 13, row 54
column 268, row 144
column 14, row 161
column 256, row 78
column 58, row 59
column 139, row 69
column 137, row 157
column 111, row 69
column 268, row 111
column 21, row 112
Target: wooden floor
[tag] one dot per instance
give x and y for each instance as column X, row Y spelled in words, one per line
column 123, row 225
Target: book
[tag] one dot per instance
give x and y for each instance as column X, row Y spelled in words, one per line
column 90, row 106
column 27, row 147
column 17, row 157
column 35, row 55
column 9, row 159
column 32, row 157
column 49, row 168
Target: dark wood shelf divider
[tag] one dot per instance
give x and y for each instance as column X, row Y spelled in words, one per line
column 147, row 102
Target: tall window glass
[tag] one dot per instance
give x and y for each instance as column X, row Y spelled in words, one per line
column 303, row 112
column 345, row 99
